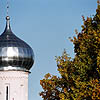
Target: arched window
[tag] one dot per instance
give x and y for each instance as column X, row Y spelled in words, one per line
column 7, row 91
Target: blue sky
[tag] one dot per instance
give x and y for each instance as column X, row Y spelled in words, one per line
column 46, row 26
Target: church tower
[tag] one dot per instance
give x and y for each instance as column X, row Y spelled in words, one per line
column 16, row 59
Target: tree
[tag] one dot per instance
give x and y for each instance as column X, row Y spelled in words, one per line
column 80, row 77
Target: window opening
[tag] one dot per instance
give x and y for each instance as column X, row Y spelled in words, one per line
column 6, row 92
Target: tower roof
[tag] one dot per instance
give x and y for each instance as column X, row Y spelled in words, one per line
column 15, row 54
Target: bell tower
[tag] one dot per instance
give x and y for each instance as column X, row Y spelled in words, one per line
column 16, row 59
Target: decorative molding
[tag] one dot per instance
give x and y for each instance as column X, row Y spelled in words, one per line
column 12, row 78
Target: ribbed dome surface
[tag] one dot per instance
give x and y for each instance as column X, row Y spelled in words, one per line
column 15, row 54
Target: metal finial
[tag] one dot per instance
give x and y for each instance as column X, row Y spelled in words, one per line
column 8, row 23
column 7, row 19
column 7, row 7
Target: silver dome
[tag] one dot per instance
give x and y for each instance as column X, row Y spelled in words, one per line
column 15, row 54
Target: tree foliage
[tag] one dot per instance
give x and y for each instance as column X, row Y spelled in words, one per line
column 80, row 77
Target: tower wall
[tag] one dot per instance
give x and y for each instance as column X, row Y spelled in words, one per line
column 13, row 85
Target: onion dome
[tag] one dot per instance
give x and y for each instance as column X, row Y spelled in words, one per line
column 15, row 54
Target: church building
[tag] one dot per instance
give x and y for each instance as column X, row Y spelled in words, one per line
column 16, row 60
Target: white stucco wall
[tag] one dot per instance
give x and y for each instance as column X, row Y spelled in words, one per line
column 17, row 81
